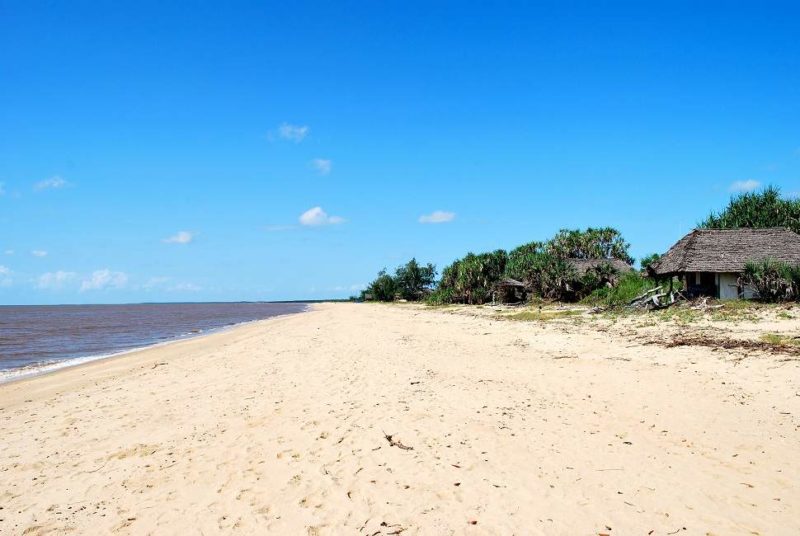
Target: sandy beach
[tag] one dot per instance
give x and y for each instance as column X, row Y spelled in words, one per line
column 374, row 419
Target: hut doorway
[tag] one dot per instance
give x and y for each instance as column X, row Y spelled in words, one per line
column 508, row 291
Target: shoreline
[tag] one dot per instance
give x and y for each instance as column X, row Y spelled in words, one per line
column 371, row 419
column 12, row 375
column 64, row 378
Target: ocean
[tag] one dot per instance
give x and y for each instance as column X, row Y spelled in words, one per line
column 41, row 338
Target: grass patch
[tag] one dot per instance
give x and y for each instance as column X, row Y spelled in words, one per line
column 728, row 316
column 725, row 311
column 542, row 316
column 780, row 340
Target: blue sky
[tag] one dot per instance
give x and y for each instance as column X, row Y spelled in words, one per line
column 289, row 150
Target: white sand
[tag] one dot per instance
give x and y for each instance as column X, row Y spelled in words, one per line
column 516, row 428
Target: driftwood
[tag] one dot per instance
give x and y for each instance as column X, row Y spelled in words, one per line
column 653, row 299
column 727, row 344
column 645, row 295
column 396, row 442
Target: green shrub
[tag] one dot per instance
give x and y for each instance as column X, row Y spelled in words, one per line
column 773, row 280
column 440, row 296
column 629, row 286
column 382, row 289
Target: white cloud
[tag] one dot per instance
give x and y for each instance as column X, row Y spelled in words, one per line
column 5, row 276
column 295, row 133
column 55, row 280
column 437, row 216
column 316, row 216
column 102, row 279
column 39, row 253
column 53, row 183
column 181, row 237
column 322, row 165
column 745, row 186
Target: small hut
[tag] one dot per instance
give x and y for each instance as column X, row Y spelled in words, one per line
column 508, row 291
column 710, row 261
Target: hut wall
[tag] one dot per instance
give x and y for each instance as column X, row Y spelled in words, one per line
column 728, row 286
column 749, row 293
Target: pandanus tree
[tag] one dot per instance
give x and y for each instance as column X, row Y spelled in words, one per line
column 757, row 209
column 774, row 281
column 525, row 262
column 545, row 266
column 472, row 277
column 601, row 243
column 556, row 279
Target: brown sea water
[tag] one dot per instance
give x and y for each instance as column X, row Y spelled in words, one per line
column 40, row 338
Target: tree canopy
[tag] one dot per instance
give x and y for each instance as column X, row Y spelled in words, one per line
column 647, row 260
column 601, row 243
column 757, row 209
column 472, row 277
column 383, row 288
column 544, row 268
column 410, row 281
column 413, row 279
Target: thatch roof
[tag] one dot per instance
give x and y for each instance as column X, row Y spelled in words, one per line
column 508, row 282
column 728, row 250
column 584, row 265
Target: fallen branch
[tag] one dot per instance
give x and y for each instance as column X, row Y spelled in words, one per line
column 396, row 442
column 653, row 299
column 645, row 295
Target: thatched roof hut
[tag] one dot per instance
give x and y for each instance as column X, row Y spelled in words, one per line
column 509, row 283
column 728, row 250
column 508, row 291
column 582, row 266
column 711, row 260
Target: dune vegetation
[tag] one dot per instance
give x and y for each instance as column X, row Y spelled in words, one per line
column 548, row 271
